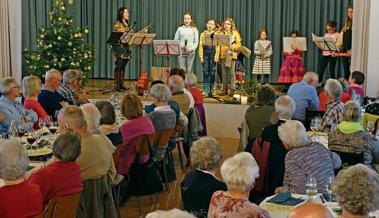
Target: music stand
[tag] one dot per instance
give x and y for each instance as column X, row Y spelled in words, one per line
column 168, row 48
column 324, row 43
column 140, row 39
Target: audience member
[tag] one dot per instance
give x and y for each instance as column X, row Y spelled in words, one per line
column 176, row 85
column 18, row 198
column 334, row 107
column 305, row 95
column 284, row 108
column 180, row 72
column 136, row 126
column 199, row 185
column 12, row 109
column 108, row 125
column 356, row 81
column 345, row 97
column 31, row 87
column 191, row 81
column 49, row 98
column 239, row 173
column 258, row 115
column 97, row 168
column 163, row 117
column 173, row 213
column 310, row 210
column 305, row 159
column 61, row 176
column 357, row 191
column 350, row 137
column 70, row 88
column 92, row 116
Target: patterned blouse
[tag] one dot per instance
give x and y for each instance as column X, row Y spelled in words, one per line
column 262, row 66
column 223, row 206
column 332, row 116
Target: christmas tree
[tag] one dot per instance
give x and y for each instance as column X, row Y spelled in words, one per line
column 60, row 45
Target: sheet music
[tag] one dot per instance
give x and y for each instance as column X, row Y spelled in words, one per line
column 324, row 43
column 300, row 42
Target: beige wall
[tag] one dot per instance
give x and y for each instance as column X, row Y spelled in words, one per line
column 372, row 80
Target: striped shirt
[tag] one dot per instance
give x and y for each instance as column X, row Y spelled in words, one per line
column 262, row 66
column 332, row 116
column 311, row 160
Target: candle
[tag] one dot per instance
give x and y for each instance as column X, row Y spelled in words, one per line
column 237, row 96
column 243, row 99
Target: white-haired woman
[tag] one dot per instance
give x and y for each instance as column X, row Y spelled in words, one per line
column 239, row 173
column 357, row 191
column 284, row 108
column 31, row 87
column 190, row 81
column 199, row 185
column 92, row 116
column 334, row 105
column 350, row 137
column 18, row 198
column 305, row 159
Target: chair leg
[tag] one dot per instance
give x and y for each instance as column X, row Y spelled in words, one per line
column 139, row 206
column 179, row 144
column 165, row 173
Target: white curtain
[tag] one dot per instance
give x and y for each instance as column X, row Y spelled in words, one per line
column 361, row 24
column 10, row 38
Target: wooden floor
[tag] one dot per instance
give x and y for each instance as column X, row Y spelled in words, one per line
column 172, row 198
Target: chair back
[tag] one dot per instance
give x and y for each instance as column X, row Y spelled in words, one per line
column 187, row 205
column 63, row 206
column 116, row 155
column 162, row 137
column 179, row 129
column 350, row 158
column 144, row 143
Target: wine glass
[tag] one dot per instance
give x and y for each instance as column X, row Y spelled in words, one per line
column 53, row 127
column 311, row 188
column 370, row 126
column 329, row 185
column 12, row 130
column 31, row 138
column 145, row 93
column 315, row 124
column 21, row 130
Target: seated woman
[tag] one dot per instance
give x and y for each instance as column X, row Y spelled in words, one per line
column 61, row 176
column 163, row 117
column 108, row 125
column 305, row 159
column 345, row 97
column 239, row 173
column 92, row 116
column 31, row 87
column 136, row 126
column 258, row 115
column 357, row 191
column 190, row 82
column 284, row 108
column 18, row 197
column 199, row 185
column 350, row 137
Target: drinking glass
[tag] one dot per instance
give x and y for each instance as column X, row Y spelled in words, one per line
column 329, row 186
column 311, row 188
column 53, row 127
column 31, row 138
column 370, row 126
column 315, row 124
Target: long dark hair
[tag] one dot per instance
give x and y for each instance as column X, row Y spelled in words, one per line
column 120, row 15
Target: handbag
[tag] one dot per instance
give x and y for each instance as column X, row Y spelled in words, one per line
column 144, row 178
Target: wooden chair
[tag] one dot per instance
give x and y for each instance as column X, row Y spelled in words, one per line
column 161, row 138
column 116, row 188
column 63, row 206
column 179, row 141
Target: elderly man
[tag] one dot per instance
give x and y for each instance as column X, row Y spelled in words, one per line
column 310, row 210
column 96, row 165
column 284, row 108
column 12, row 109
column 334, row 106
column 49, row 98
column 176, row 85
column 70, row 88
column 305, row 95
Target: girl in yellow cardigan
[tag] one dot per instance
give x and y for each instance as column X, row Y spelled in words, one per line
column 228, row 54
column 207, row 56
